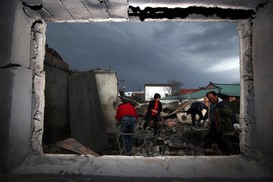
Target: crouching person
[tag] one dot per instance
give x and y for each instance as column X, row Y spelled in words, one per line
column 196, row 109
column 126, row 116
column 221, row 118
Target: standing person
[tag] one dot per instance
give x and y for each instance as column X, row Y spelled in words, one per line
column 153, row 112
column 221, row 117
column 126, row 116
column 196, row 109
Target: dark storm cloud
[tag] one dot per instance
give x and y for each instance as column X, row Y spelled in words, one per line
column 194, row 53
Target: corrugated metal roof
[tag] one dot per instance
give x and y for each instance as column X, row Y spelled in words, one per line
column 200, row 94
column 229, row 89
column 224, row 89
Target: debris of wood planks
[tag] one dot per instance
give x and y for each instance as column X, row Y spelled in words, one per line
column 73, row 145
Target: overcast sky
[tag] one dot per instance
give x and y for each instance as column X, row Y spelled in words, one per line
column 151, row 52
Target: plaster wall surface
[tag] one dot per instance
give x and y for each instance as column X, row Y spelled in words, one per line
column 7, row 10
column 16, row 118
column 107, row 89
column 247, row 105
column 16, row 85
column 14, row 28
column 262, row 68
column 6, row 85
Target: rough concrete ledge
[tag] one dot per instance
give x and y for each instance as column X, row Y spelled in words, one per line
column 186, row 168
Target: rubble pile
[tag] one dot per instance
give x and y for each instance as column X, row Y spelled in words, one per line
column 176, row 136
column 175, row 140
column 179, row 140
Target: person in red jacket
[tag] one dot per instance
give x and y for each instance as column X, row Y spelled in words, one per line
column 126, row 116
column 153, row 112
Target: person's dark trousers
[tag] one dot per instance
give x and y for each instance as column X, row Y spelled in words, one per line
column 127, row 126
column 193, row 117
column 200, row 114
column 146, row 124
column 155, row 122
column 215, row 136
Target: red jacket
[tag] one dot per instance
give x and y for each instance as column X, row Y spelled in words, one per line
column 125, row 109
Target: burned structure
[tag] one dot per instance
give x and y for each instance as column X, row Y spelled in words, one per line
column 22, row 85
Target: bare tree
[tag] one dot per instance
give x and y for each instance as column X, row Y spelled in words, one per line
column 176, row 86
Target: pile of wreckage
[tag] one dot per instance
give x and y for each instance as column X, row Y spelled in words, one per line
column 176, row 136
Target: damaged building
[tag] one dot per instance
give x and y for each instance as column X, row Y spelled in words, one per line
column 80, row 110
column 78, row 104
column 23, row 91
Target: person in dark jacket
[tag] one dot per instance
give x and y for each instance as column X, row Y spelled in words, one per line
column 153, row 112
column 221, row 120
column 196, row 109
column 126, row 116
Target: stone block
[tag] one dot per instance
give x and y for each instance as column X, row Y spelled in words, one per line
column 15, row 46
column 16, row 96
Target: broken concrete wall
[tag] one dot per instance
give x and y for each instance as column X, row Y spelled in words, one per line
column 56, row 118
column 56, row 96
column 85, row 112
column 13, row 114
column 56, row 124
column 37, row 53
column 6, row 83
column 256, row 73
column 108, row 93
column 247, row 108
column 263, row 74
column 16, row 84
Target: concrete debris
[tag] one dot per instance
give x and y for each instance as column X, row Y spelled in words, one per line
column 177, row 140
column 176, row 136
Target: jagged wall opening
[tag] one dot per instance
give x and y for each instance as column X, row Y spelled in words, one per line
column 199, row 14
column 254, row 143
column 192, row 134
